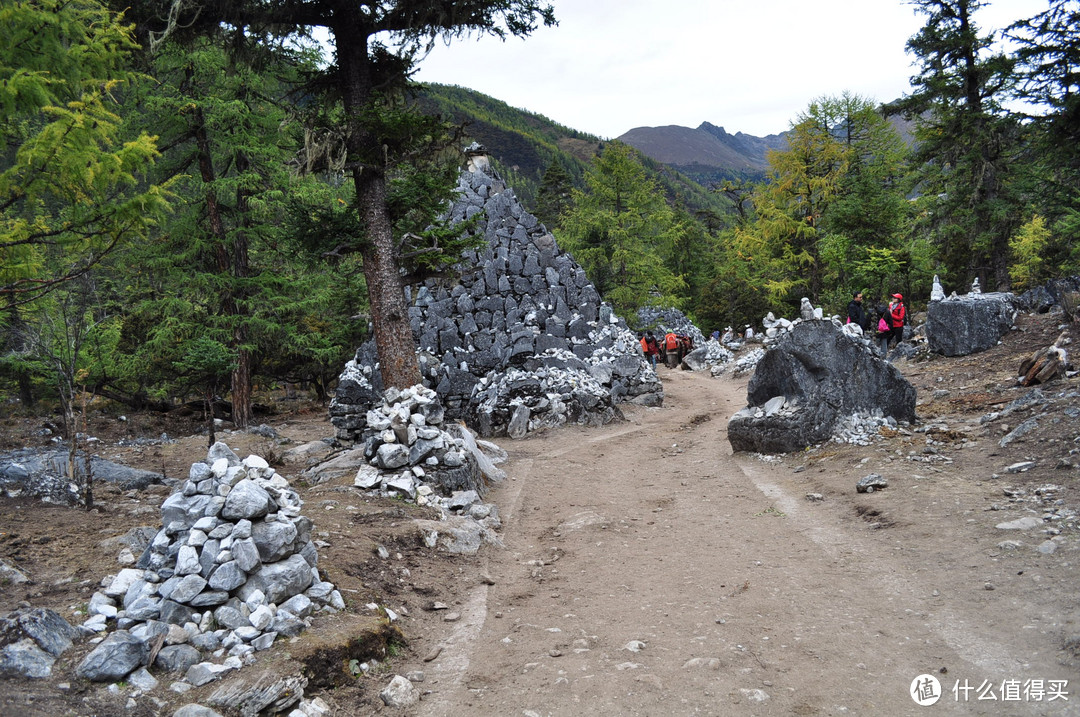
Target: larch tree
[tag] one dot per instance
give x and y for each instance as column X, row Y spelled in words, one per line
column 619, row 229
column 70, row 190
column 375, row 47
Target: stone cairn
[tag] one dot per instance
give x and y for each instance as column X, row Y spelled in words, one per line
column 520, row 326
column 232, row 568
column 412, row 453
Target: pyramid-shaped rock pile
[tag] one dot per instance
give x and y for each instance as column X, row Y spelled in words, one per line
column 662, row 319
column 232, row 567
column 522, row 325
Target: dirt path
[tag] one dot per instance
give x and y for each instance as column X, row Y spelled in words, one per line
column 648, row 571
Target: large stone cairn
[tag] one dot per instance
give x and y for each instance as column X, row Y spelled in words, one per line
column 232, row 568
column 814, row 375
column 962, row 325
column 664, row 319
column 520, row 306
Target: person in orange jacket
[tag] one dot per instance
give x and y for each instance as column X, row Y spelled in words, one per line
column 671, row 349
column 649, row 348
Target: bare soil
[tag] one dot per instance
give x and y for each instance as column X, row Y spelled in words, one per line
column 646, row 570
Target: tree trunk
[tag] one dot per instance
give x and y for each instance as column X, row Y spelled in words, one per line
column 389, row 311
column 16, row 343
column 242, row 413
column 236, row 266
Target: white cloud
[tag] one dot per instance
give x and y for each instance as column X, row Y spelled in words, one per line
column 748, row 65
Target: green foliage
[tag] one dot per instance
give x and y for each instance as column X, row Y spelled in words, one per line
column 69, row 193
column 619, row 229
column 967, row 144
column 522, row 144
column 1028, row 248
column 830, row 220
column 204, row 361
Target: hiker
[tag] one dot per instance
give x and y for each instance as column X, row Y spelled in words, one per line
column 671, row 349
column 884, row 330
column 856, row 312
column 897, row 314
column 649, row 347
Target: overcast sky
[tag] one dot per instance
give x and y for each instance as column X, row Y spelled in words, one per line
column 746, row 65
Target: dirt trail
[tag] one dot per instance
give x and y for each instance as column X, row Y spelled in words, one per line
column 648, row 571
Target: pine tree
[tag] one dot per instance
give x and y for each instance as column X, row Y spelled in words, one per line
column 553, row 197
column 1048, row 72
column 966, row 142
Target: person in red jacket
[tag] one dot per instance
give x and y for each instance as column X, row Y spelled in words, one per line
column 897, row 315
column 649, row 348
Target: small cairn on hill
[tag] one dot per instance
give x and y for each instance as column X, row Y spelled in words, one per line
column 232, row 568
column 962, row 325
column 521, row 305
column 413, row 453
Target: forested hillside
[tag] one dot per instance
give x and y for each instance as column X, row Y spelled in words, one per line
column 525, row 145
column 198, row 207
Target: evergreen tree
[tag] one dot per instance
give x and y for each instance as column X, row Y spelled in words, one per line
column 1048, row 72
column 69, row 182
column 828, row 220
column 619, row 229
column 375, row 45
column 966, row 143
column 553, row 197
column 221, row 121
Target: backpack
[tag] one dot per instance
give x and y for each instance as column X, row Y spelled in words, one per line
column 882, row 325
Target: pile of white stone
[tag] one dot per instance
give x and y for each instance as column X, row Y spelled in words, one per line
column 711, row 356
column 560, row 387
column 232, row 568
column 412, row 453
column 747, row 362
column 862, row 428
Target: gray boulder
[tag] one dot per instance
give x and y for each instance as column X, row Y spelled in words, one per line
column 45, row 627
column 25, row 659
column 194, row 710
column 279, row 581
column 822, row 375
column 400, row 693
column 968, row 324
column 273, row 541
column 246, row 500
column 116, row 657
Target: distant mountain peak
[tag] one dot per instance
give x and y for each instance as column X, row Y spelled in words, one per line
column 709, row 151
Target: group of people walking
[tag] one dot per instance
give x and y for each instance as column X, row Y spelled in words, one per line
column 884, row 322
column 887, row 320
column 670, row 349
